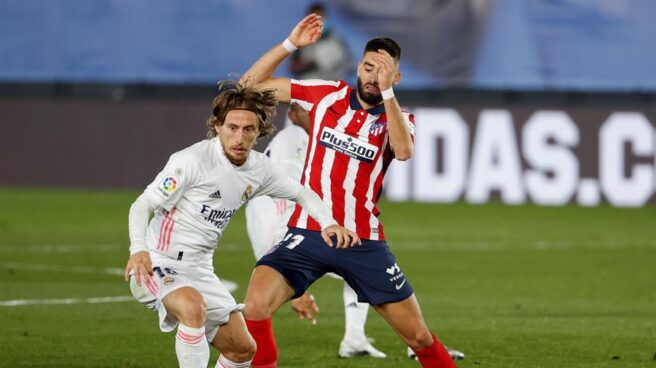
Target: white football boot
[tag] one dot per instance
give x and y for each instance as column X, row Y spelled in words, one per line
column 349, row 348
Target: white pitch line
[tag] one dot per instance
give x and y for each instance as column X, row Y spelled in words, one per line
column 61, row 249
column 114, row 271
column 61, row 268
column 230, row 285
column 106, row 299
column 88, row 248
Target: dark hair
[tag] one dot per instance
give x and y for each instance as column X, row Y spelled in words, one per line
column 384, row 43
column 234, row 96
column 316, row 8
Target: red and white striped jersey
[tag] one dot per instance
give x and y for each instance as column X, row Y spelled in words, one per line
column 347, row 156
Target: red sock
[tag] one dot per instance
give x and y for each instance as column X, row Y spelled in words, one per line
column 435, row 356
column 266, row 355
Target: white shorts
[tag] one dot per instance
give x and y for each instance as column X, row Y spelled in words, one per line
column 169, row 275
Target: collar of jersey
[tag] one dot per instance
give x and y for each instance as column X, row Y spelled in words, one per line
column 223, row 159
column 355, row 105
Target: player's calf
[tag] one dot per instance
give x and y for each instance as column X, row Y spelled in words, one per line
column 235, row 343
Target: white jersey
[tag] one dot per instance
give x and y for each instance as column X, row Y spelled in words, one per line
column 266, row 218
column 199, row 191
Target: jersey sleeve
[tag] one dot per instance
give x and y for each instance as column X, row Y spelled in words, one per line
column 307, row 93
column 178, row 176
column 278, row 185
column 409, row 121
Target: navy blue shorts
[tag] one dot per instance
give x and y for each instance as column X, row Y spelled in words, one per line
column 370, row 269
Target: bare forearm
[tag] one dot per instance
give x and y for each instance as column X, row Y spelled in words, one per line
column 399, row 133
column 265, row 66
column 260, row 74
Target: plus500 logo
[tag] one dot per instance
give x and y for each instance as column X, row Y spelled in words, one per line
column 348, row 145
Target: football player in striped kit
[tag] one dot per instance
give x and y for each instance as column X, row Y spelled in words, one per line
column 355, row 133
column 193, row 198
column 266, row 222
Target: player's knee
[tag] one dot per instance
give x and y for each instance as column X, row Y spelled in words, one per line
column 242, row 352
column 257, row 309
column 193, row 312
column 420, row 339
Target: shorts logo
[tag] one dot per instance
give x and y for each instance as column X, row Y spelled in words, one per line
column 168, row 280
column 350, row 146
column 247, row 194
column 394, row 269
column 397, row 275
column 168, row 185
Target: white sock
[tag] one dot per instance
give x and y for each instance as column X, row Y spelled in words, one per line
column 223, row 362
column 355, row 314
column 191, row 347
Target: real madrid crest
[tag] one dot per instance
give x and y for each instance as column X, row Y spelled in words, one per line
column 247, row 193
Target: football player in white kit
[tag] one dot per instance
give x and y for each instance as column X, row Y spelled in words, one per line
column 170, row 267
column 266, row 222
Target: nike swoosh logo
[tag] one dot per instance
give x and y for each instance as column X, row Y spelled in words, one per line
column 399, row 286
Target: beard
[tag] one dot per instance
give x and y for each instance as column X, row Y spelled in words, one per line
column 370, row 98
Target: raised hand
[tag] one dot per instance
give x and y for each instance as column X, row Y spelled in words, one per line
column 307, row 31
column 385, row 69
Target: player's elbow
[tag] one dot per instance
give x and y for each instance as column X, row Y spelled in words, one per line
column 403, row 154
column 403, row 150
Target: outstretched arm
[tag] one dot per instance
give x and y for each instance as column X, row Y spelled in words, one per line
column 260, row 74
column 311, row 202
column 139, row 263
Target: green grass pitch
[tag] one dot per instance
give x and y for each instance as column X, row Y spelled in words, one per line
column 519, row 286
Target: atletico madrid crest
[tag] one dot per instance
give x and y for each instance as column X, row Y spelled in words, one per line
column 377, row 128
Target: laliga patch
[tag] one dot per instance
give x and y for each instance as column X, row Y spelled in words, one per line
column 168, row 185
column 350, row 146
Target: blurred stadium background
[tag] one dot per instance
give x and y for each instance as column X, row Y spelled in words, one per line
column 525, row 218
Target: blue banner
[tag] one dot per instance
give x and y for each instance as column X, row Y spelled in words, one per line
column 497, row 44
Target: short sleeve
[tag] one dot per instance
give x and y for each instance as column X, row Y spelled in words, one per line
column 409, row 120
column 307, row 93
column 178, row 176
